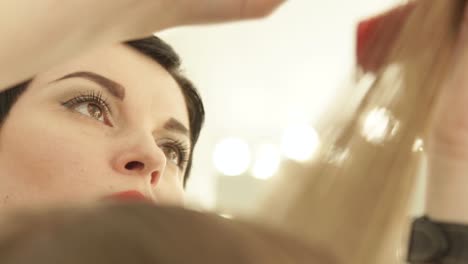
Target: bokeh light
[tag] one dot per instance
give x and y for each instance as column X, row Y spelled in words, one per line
column 418, row 145
column 232, row 156
column 300, row 142
column 267, row 161
column 379, row 125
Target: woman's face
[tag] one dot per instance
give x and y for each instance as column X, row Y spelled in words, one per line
column 110, row 121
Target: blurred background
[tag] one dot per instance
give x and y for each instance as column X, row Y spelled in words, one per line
column 265, row 86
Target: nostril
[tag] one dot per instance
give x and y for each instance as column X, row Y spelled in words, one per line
column 135, row 165
column 154, row 178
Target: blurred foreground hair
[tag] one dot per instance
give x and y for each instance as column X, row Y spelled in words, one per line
column 145, row 234
column 353, row 198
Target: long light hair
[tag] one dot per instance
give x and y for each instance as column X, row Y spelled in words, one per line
column 354, row 197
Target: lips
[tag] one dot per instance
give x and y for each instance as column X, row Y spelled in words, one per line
column 129, row 196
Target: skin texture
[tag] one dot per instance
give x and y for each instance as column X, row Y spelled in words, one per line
column 448, row 143
column 51, row 154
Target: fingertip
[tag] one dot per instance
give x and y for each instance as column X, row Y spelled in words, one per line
column 260, row 8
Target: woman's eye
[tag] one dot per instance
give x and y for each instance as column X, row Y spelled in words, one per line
column 90, row 104
column 92, row 110
column 176, row 152
column 171, row 154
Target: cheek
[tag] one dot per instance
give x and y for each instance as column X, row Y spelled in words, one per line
column 45, row 160
column 170, row 190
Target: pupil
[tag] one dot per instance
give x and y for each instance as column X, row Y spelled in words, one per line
column 95, row 111
column 172, row 155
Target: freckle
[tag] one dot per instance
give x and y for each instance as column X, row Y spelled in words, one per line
column 5, row 199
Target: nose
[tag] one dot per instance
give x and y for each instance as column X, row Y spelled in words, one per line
column 142, row 159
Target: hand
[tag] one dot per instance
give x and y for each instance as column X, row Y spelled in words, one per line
column 447, row 188
column 160, row 14
column 30, row 29
column 205, row 11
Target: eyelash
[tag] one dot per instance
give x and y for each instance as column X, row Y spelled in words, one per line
column 91, row 97
column 182, row 151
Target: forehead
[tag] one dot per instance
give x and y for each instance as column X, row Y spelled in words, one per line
column 145, row 81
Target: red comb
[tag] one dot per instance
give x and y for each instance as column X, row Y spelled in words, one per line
column 376, row 36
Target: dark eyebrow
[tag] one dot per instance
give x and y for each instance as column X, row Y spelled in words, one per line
column 114, row 88
column 173, row 125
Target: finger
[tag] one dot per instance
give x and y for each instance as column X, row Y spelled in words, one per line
column 211, row 11
column 258, row 8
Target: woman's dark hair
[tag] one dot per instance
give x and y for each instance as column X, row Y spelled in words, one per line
column 163, row 54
